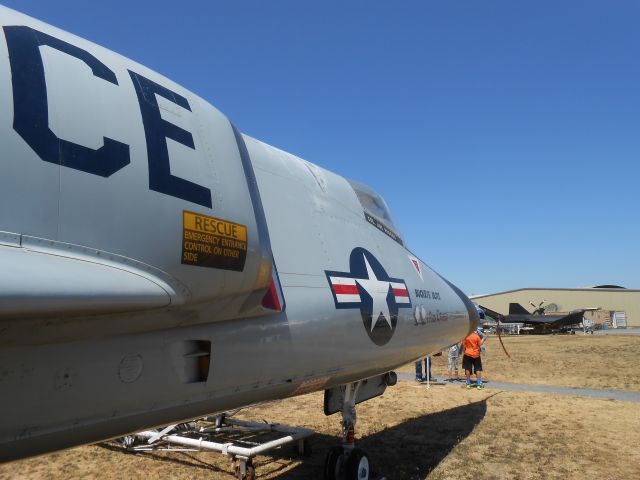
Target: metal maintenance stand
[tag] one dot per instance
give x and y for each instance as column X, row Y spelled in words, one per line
column 240, row 439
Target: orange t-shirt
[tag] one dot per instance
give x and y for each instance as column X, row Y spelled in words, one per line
column 472, row 345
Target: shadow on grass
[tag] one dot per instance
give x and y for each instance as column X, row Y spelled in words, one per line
column 186, row 459
column 409, row 450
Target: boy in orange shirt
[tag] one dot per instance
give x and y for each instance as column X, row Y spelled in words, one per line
column 471, row 359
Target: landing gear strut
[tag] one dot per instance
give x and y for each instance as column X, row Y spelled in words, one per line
column 346, row 461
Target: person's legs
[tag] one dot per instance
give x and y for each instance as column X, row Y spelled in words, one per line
column 478, row 369
column 466, row 364
column 455, row 365
column 450, row 368
column 419, row 370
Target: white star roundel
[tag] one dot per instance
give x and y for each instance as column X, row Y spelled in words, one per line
column 369, row 288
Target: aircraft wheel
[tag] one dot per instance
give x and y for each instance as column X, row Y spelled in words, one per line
column 333, row 463
column 305, row 449
column 357, row 467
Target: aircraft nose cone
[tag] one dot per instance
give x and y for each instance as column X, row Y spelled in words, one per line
column 474, row 317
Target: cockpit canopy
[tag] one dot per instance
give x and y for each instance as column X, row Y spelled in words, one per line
column 374, row 204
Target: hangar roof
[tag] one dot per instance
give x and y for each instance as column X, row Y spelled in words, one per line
column 606, row 288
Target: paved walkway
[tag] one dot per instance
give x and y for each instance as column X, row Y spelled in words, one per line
column 622, row 395
column 618, row 331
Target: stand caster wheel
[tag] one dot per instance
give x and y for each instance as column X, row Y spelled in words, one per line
column 128, row 443
column 357, row 467
column 249, row 472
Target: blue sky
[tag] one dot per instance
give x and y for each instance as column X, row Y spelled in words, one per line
column 505, row 136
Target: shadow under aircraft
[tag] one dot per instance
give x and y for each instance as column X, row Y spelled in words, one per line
column 427, row 439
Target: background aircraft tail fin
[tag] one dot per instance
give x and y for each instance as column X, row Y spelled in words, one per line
column 517, row 309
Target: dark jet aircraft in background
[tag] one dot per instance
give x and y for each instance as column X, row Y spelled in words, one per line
column 540, row 322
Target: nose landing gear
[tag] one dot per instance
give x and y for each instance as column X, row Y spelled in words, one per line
column 346, row 461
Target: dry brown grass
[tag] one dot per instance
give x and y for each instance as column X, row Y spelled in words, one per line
column 583, row 361
column 416, row 433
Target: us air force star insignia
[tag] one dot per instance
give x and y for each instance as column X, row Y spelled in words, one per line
column 369, row 288
column 378, row 291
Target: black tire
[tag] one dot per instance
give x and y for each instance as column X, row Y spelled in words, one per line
column 128, row 443
column 333, row 463
column 306, row 449
column 358, row 467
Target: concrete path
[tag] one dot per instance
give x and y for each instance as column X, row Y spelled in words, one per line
column 618, row 331
column 622, row 395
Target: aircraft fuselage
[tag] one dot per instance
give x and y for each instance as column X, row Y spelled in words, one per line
column 160, row 265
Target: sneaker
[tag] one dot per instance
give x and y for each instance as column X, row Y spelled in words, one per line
column 468, row 386
column 418, row 379
column 480, row 386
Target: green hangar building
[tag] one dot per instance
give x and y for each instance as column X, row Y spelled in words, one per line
column 617, row 306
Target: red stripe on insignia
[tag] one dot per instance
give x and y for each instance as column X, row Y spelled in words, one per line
column 345, row 289
column 400, row 292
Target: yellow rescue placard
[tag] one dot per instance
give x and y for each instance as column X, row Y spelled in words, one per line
column 212, row 242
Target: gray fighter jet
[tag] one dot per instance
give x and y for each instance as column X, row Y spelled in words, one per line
column 159, row 265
